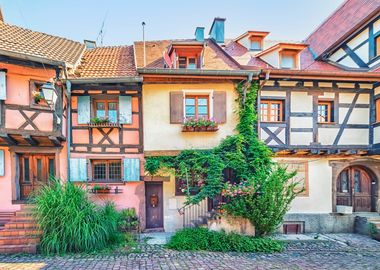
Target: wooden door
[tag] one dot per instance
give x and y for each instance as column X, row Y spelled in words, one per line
column 35, row 171
column 154, row 205
column 356, row 188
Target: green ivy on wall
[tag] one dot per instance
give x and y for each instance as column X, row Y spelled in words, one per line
column 250, row 160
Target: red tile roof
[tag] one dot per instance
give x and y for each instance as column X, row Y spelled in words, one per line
column 107, row 62
column 24, row 41
column 338, row 26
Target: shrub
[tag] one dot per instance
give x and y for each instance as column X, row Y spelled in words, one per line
column 195, row 239
column 129, row 221
column 70, row 222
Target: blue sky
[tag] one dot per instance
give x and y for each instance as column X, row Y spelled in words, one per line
column 166, row 19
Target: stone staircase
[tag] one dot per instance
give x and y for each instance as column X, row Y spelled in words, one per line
column 20, row 234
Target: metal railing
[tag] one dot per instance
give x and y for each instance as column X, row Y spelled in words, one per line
column 195, row 214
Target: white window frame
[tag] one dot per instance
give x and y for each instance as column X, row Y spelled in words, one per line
column 194, row 92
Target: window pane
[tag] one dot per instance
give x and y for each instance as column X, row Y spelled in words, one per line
column 100, row 106
column 182, row 62
column 26, row 170
column 115, row 171
column 344, row 186
column 202, row 110
column 100, row 171
column 287, row 61
column 51, row 167
column 112, row 106
column 190, row 110
column 100, row 114
column 112, row 116
column 190, row 101
column 202, row 101
column 357, row 181
column 255, row 45
column 192, row 63
column 377, row 46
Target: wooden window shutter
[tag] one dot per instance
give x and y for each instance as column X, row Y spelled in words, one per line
column 84, row 109
column 2, row 163
column 176, row 107
column 78, row 169
column 131, row 169
column 125, row 109
column 220, row 106
column 3, row 85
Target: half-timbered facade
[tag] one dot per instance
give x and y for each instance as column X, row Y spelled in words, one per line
column 106, row 143
column 32, row 126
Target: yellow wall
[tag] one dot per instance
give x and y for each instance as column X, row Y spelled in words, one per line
column 159, row 134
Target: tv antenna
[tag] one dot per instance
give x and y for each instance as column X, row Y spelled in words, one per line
column 101, row 33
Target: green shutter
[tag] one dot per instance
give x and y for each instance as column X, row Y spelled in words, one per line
column 125, row 109
column 131, row 169
column 84, row 109
column 78, row 169
column 2, row 163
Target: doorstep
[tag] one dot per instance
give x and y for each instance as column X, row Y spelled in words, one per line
column 156, row 238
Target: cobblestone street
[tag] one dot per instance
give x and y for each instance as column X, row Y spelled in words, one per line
column 345, row 251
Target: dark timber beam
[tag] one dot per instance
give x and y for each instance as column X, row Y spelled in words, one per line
column 8, row 139
column 55, row 140
column 30, row 140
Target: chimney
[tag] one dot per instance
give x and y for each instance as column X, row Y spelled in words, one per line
column 217, row 30
column 200, row 34
column 90, row 44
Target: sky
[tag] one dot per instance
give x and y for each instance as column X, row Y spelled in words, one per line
column 166, row 19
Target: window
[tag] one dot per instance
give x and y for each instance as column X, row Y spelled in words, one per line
column 187, row 62
column 106, row 170
column 325, row 112
column 378, row 110
column 271, row 111
column 343, row 183
column 377, row 44
column 256, row 44
column 288, row 60
column 106, row 109
column 182, row 186
column 197, row 107
column 36, row 95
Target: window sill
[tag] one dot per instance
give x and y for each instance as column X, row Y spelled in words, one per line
column 106, row 191
column 110, row 183
column 40, row 107
column 199, row 129
column 104, row 125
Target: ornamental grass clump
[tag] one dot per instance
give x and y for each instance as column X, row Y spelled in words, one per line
column 70, row 222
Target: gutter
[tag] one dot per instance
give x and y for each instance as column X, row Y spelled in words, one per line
column 68, row 126
column 32, row 58
column 132, row 79
column 198, row 72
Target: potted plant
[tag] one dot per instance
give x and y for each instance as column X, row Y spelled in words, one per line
column 101, row 189
column 38, row 97
column 199, row 124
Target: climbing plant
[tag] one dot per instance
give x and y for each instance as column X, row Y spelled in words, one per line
column 261, row 190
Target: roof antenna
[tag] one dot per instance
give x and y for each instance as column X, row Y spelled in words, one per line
column 101, row 32
column 143, row 29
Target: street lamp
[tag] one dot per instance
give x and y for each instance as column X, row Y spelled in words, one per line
column 50, row 95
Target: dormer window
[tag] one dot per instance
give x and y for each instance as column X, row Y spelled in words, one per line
column 187, row 62
column 288, row 60
column 256, row 44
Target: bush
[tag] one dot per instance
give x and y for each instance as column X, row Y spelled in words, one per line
column 70, row 222
column 194, row 239
column 129, row 221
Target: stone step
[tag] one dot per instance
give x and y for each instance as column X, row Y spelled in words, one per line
column 11, row 249
column 27, row 206
column 23, row 213
column 20, row 225
column 19, row 240
column 20, row 232
column 22, row 218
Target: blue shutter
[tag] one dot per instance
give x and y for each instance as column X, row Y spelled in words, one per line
column 84, row 111
column 3, row 85
column 78, row 169
column 2, row 163
column 125, row 109
column 131, row 169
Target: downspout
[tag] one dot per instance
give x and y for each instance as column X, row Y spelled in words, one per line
column 68, row 125
column 259, row 101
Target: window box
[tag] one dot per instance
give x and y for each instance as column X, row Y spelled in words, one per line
column 104, row 125
column 105, row 190
column 199, row 129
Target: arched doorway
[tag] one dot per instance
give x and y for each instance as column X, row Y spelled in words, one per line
column 357, row 187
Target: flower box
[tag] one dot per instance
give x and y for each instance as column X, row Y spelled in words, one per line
column 104, row 125
column 199, row 129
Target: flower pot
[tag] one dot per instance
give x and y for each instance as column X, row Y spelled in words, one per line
column 102, row 191
column 344, row 209
column 203, row 128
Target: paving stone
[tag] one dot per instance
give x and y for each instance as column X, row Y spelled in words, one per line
column 357, row 252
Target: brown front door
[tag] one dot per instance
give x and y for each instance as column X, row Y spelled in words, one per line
column 356, row 188
column 154, row 205
column 35, row 171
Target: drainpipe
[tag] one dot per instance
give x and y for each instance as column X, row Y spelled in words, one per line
column 259, row 101
column 68, row 125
